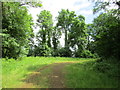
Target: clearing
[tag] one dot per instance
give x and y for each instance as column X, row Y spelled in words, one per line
column 54, row 72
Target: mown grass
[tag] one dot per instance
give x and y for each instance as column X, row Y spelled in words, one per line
column 86, row 75
column 13, row 72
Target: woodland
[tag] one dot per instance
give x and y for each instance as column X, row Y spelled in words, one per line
column 99, row 41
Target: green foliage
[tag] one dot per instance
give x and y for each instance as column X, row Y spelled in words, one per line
column 33, row 4
column 102, row 67
column 106, row 35
column 86, row 54
column 63, row 52
column 44, row 35
column 77, row 35
column 82, row 75
column 17, row 28
column 44, row 50
column 56, row 34
column 65, row 19
column 110, row 67
column 75, row 31
column 45, row 19
column 103, row 5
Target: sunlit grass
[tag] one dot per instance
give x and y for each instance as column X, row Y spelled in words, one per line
column 78, row 75
column 14, row 71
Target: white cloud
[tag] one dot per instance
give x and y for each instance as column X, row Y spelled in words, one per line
column 84, row 5
column 86, row 12
column 34, row 12
column 56, row 5
column 112, row 6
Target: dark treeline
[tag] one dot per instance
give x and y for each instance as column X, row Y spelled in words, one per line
column 99, row 39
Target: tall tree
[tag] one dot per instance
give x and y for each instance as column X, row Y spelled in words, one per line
column 77, row 35
column 107, row 33
column 65, row 19
column 90, row 39
column 45, row 23
column 74, row 29
column 56, row 35
column 17, row 29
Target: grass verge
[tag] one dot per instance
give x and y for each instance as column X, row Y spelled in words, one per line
column 83, row 75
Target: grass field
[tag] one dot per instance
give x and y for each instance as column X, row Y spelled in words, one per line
column 80, row 75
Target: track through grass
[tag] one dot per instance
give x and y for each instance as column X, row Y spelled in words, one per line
column 44, row 72
column 15, row 71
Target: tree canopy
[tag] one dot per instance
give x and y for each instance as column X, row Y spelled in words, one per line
column 99, row 39
column 17, row 29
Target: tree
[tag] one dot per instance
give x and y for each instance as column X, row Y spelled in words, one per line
column 103, row 5
column 45, row 23
column 32, row 4
column 106, row 29
column 56, row 35
column 77, row 35
column 17, row 29
column 65, row 19
column 90, row 38
column 74, row 28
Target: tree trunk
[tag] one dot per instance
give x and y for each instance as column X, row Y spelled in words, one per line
column 66, row 44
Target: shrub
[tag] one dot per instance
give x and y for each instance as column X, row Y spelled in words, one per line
column 63, row 52
column 102, row 67
column 43, row 50
column 86, row 54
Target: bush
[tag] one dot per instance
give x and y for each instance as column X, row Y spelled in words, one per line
column 55, row 52
column 42, row 50
column 63, row 52
column 102, row 67
column 84, row 54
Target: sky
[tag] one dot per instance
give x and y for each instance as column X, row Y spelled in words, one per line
column 81, row 7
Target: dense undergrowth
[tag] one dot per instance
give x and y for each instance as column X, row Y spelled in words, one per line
column 93, row 74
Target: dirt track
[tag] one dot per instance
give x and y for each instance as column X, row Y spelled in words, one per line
column 56, row 77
